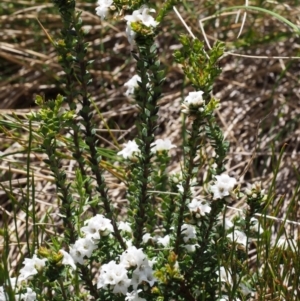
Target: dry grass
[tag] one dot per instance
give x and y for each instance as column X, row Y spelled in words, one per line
column 259, row 110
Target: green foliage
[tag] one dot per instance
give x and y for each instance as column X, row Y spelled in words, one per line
column 189, row 252
column 200, row 68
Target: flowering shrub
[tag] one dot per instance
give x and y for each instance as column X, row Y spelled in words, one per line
column 173, row 242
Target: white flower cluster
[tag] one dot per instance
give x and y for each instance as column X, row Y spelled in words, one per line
column 94, row 228
column 193, row 101
column 114, row 275
column 224, row 184
column 161, row 145
column 131, row 148
column 188, row 233
column 83, row 247
column 141, row 15
column 239, row 237
column 32, row 266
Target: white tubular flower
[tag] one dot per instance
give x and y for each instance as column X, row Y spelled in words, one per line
column 124, row 226
column 68, row 259
column 165, row 241
column 180, row 188
column 256, row 226
column 130, row 150
column 31, row 267
column 103, row 7
column 3, row 295
column 146, row 18
column 162, row 145
column 238, row 237
column 122, row 287
column 30, row 295
column 132, row 257
column 143, row 273
column 133, row 296
column 130, row 34
column 193, row 100
column 188, row 231
column 199, row 207
column 226, row 222
column 135, row 17
column 132, row 84
column 97, row 226
column 244, row 289
column 14, row 282
column 83, row 247
column 128, row 242
column 287, row 243
column 223, row 186
column 224, row 276
column 191, row 248
column 146, row 237
column 114, row 274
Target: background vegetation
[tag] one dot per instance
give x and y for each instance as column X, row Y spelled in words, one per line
column 258, row 88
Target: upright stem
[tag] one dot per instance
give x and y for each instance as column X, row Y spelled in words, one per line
column 148, row 94
column 63, row 189
column 194, row 142
column 73, row 52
